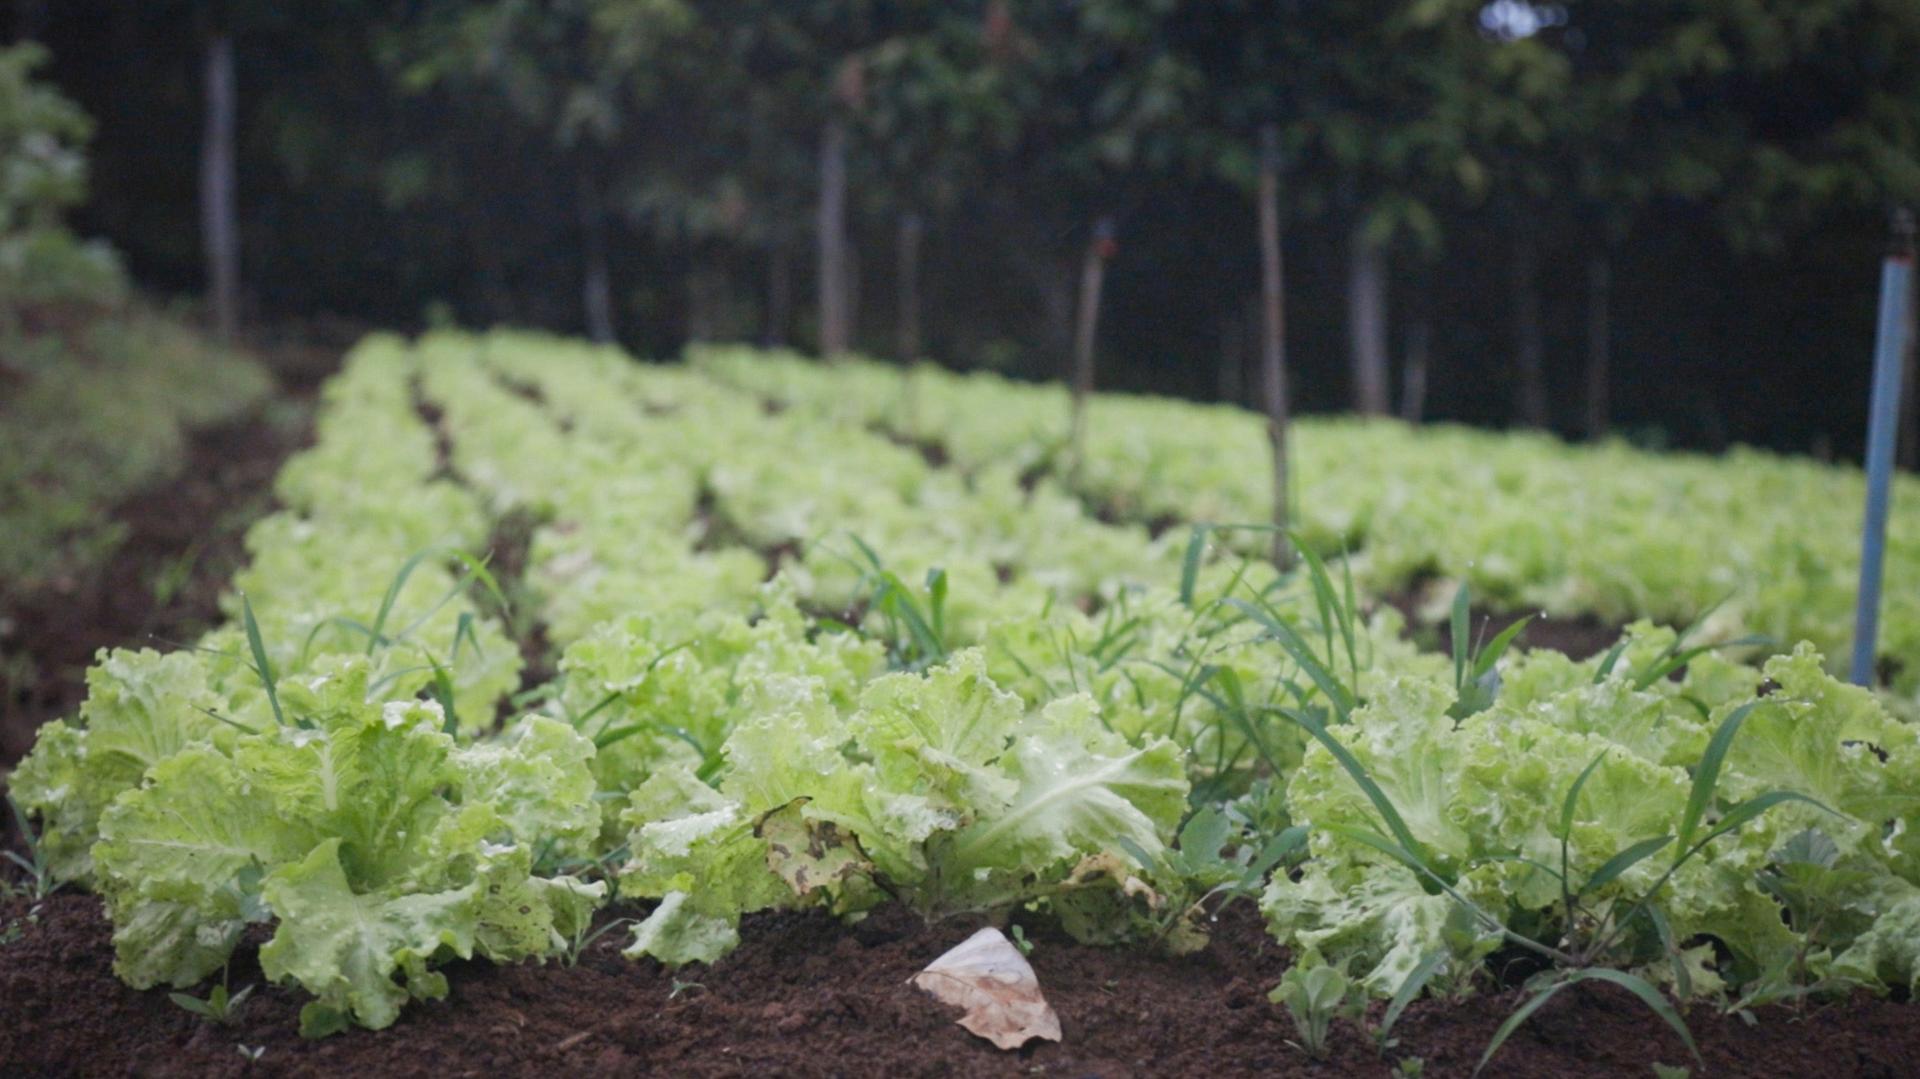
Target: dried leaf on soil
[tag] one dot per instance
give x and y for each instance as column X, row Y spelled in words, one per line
column 988, row 977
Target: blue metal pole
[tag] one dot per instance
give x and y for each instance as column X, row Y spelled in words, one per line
column 1896, row 285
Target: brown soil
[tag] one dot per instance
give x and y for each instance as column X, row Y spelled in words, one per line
column 1579, row 636
column 806, row 995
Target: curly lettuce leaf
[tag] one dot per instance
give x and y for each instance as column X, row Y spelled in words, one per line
column 1079, row 791
column 141, row 708
column 939, row 735
column 345, row 947
column 539, row 778
column 180, row 863
column 678, row 933
column 1887, row 955
column 696, row 850
column 1375, row 918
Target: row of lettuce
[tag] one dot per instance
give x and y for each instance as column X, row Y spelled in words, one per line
column 1765, row 544
column 802, row 665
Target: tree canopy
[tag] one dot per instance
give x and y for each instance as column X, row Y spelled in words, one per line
column 484, row 157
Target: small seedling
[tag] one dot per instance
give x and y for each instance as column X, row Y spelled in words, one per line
column 584, row 937
column 1020, row 941
column 218, row 1007
column 915, row 635
column 253, row 1053
column 39, row 875
column 1216, row 862
column 1315, row 994
column 681, row 988
column 1476, row 667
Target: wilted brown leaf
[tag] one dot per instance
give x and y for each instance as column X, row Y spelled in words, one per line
column 989, row 977
column 809, row 854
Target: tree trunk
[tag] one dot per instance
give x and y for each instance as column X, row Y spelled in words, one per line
column 596, row 283
column 907, row 281
column 831, row 222
column 1273, row 337
column 219, row 227
column 1599, row 342
column 1367, row 323
column 1093, row 271
column 1530, row 382
column 1413, row 391
column 779, row 296
column 1910, row 393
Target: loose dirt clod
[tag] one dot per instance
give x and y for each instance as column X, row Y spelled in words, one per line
column 989, row 977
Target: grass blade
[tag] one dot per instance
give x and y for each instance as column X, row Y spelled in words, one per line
column 1757, row 805
column 1611, row 659
column 1623, row 861
column 1673, row 661
column 1520, row 1015
column 1570, row 806
column 392, row 596
column 1682, row 978
column 337, row 621
column 1637, row 986
column 1651, row 997
column 1302, row 654
column 1409, row 991
column 1490, row 655
column 1567, row 810
column 1381, row 803
column 441, row 689
column 262, row 666
column 1707, row 775
column 1462, row 617
column 1190, row 565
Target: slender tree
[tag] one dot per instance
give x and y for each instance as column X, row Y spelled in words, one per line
column 596, row 279
column 1367, row 321
column 219, row 196
column 1273, row 335
column 1413, row 389
column 831, row 225
column 1093, row 272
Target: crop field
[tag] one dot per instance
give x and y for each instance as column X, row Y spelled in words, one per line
column 577, row 714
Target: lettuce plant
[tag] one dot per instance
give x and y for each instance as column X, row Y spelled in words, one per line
column 940, row 791
column 1614, row 828
column 371, row 840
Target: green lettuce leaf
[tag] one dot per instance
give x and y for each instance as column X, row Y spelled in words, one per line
column 345, row 947
column 141, row 708
column 1078, row 790
column 678, row 933
column 180, row 862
